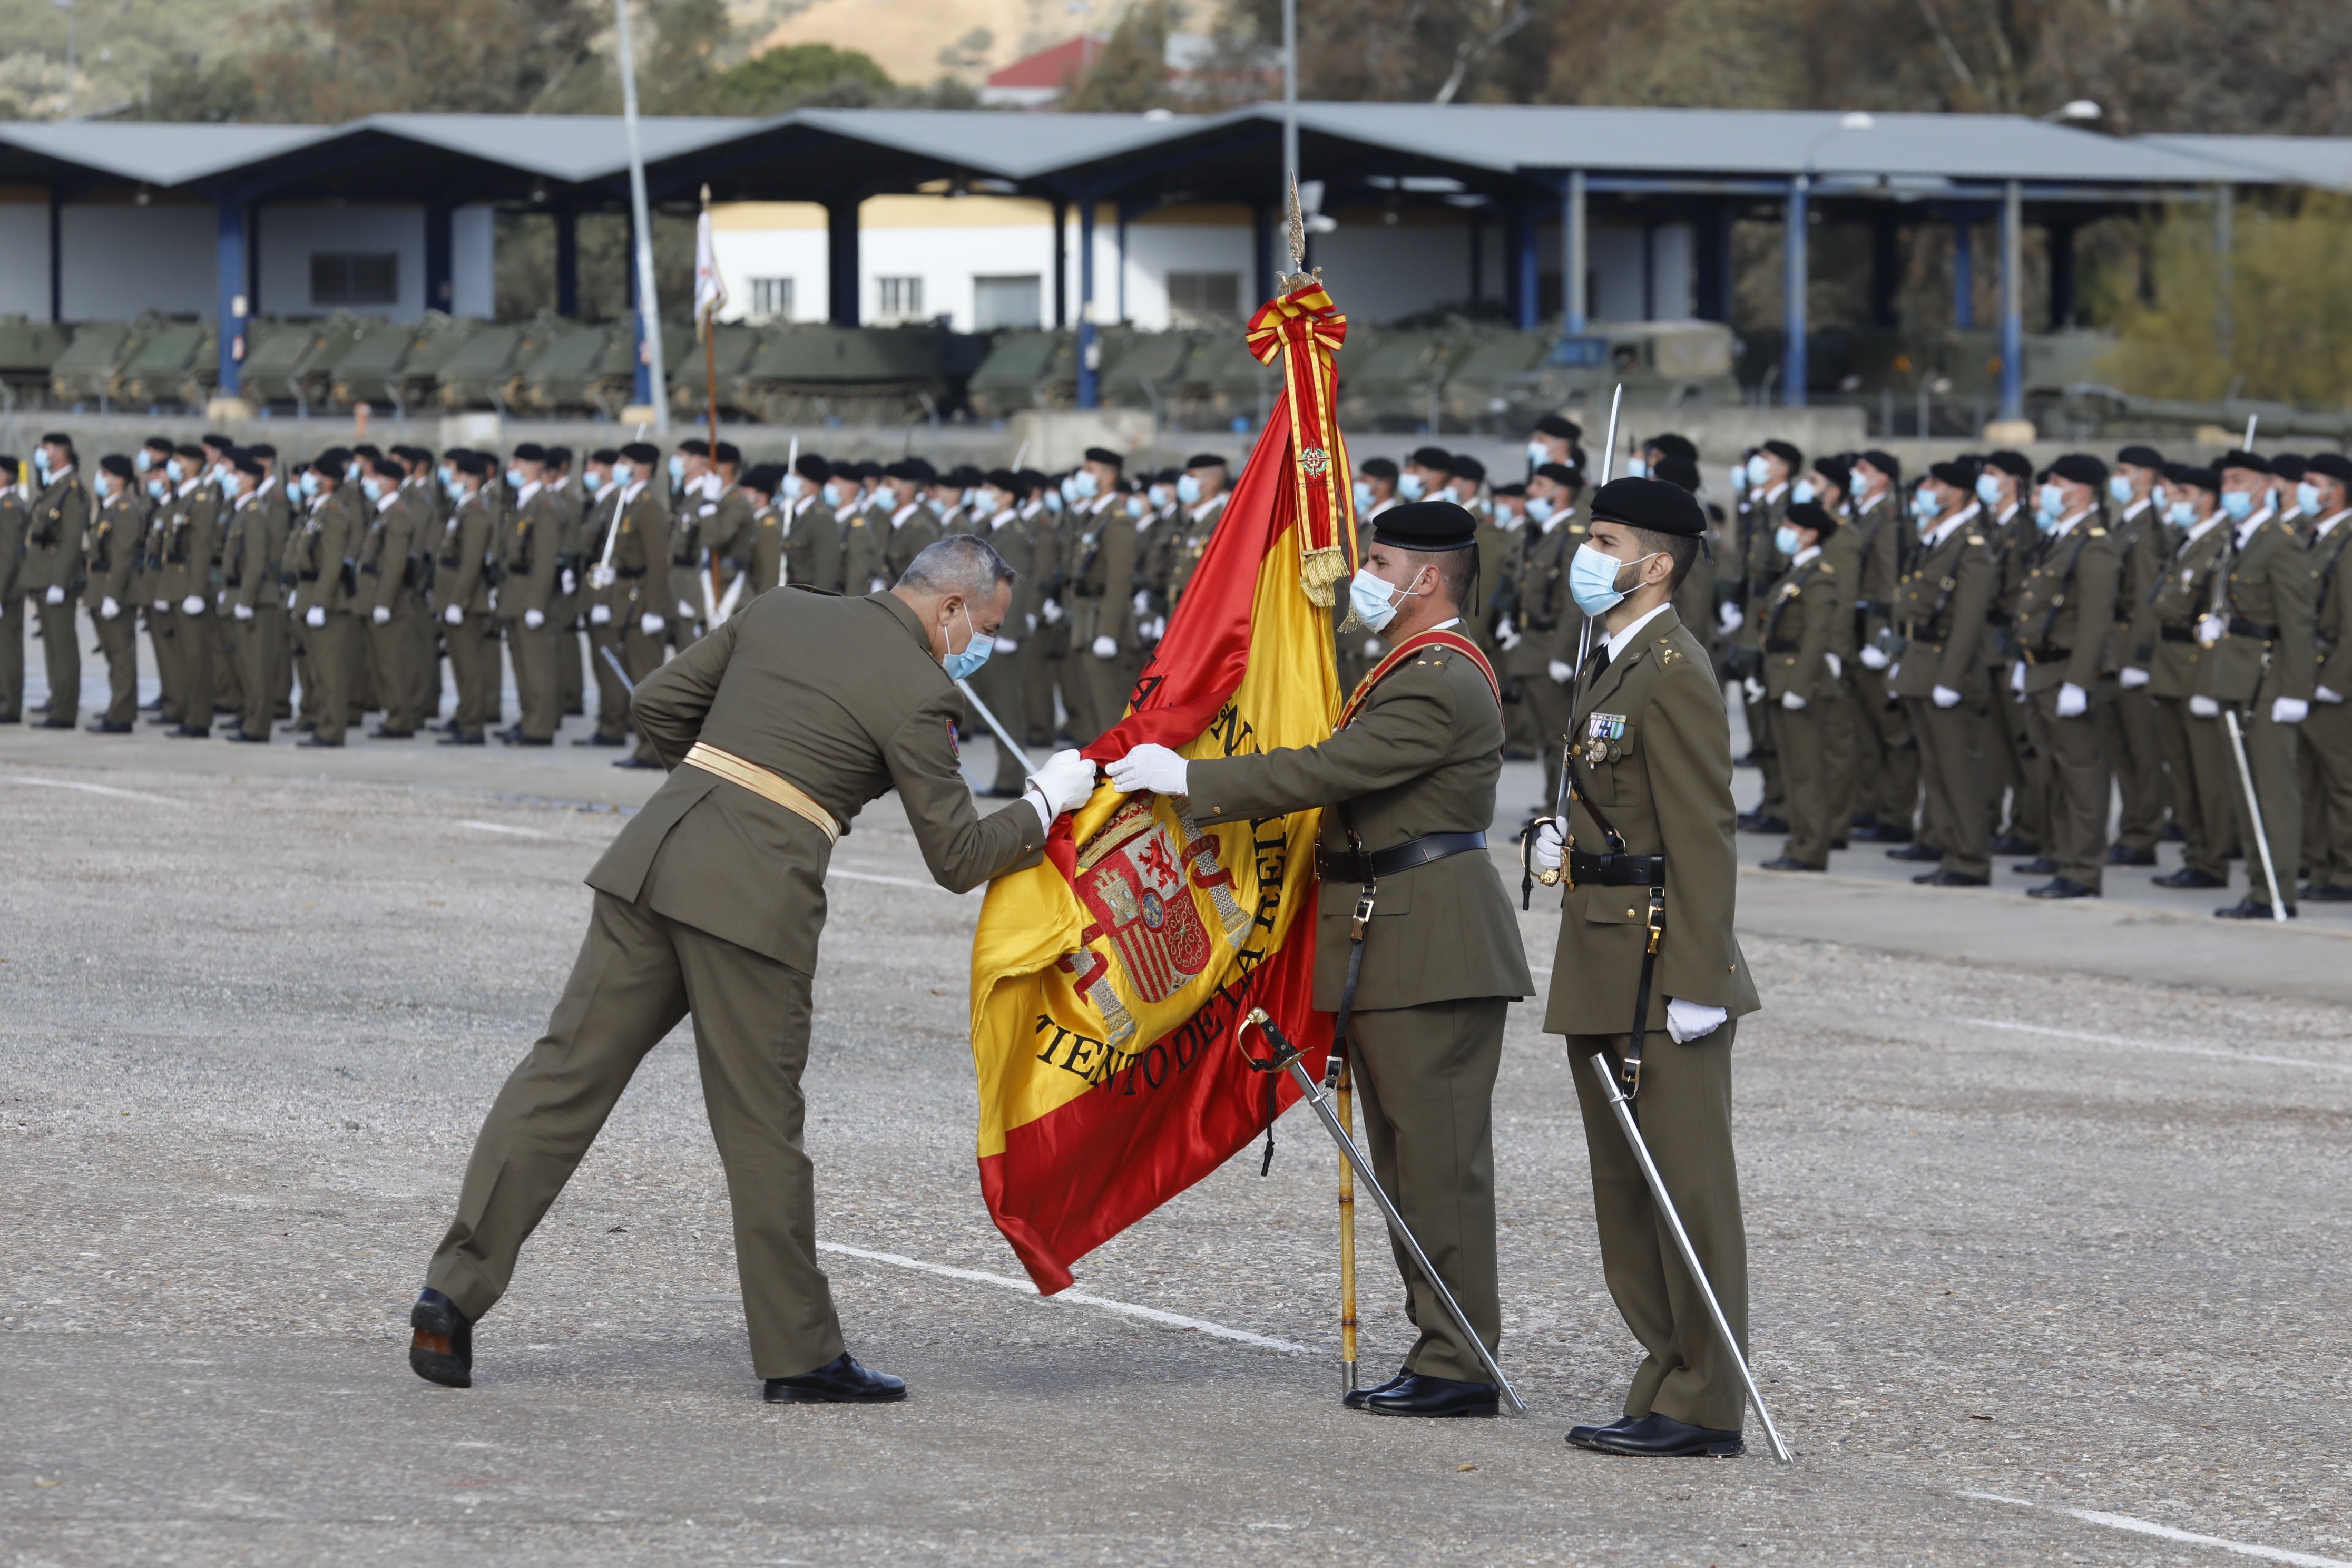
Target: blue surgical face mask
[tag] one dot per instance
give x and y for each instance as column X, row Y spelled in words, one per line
column 2239, row 504
column 2120, row 490
column 1785, row 540
column 1926, row 503
column 963, row 666
column 141, row 460
column 514, row 479
column 2307, row 496
column 1759, row 468
column 41, row 461
column 370, row 489
column 1592, row 579
column 591, row 482
column 1363, row 496
column 2183, row 514
column 1084, row 486
column 1374, row 599
column 1054, row 502
column 1138, row 508
column 1410, row 485
column 984, row 504
column 677, row 464
column 1636, row 469
column 352, row 471
column 310, row 483
column 1541, row 508
column 1538, row 453
column 2054, row 503
column 1987, row 490
column 1803, row 490
column 1188, row 489
column 176, row 470
column 831, row 495
column 624, row 473
column 157, row 488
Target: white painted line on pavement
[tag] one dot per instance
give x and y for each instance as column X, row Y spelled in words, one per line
column 2166, row 1532
column 889, row 881
column 502, row 828
column 2158, row 1046
column 1075, row 1298
column 92, row 789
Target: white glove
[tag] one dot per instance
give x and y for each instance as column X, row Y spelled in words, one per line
column 194, row 605
column 2212, row 629
column 600, row 615
column 2017, row 676
column 1032, row 621
column 455, row 615
column 2132, row 677
column 876, row 585
column 1729, row 617
column 1142, row 601
column 381, row 616
column 1944, row 697
column 56, row 596
column 108, row 609
column 1159, row 627
column 1873, row 657
column 1753, row 688
column 1689, row 1021
column 685, row 611
column 533, row 620
column 1374, row 647
column 1005, row 645
column 1837, row 666
column 2289, row 710
column 650, row 624
column 599, row 577
column 1052, row 612
column 1547, row 845
column 317, row 617
column 1792, row 701
column 2073, row 702
column 2324, row 695
column 243, row 612
column 1560, row 672
column 1153, row 768
column 2205, row 707
column 1106, row 648
column 1067, row 781
column 164, row 606
column 571, row 583
column 1506, row 636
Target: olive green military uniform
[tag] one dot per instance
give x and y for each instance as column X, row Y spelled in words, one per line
column 327, row 579
column 1002, row 682
column 469, row 545
column 250, row 552
column 605, row 605
column 1939, row 612
column 1198, row 525
column 564, row 612
column 191, row 557
column 387, row 604
column 2264, row 654
column 1761, row 565
column 684, row 604
column 1103, row 583
column 2327, row 740
column 1441, row 962
column 2062, row 613
column 1546, row 628
column 1652, row 752
column 14, row 516
column 1045, row 650
column 810, row 550
column 864, row 531
column 1843, row 553
column 2134, row 753
column 2197, row 761
column 110, row 557
column 53, row 559
column 1886, row 758
column 913, row 528
column 637, row 559
column 711, row 903
column 728, row 533
column 2014, row 776
column 1799, row 624
column 529, row 545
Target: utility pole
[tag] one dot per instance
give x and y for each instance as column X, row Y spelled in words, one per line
column 653, row 386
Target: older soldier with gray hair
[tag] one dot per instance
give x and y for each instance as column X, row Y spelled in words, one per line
column 776, row 728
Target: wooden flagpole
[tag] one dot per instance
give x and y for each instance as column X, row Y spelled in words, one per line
column 1347, row 1237
column 711, row 401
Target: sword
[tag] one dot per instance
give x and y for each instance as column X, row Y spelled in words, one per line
column 1003, row 736
column 618, row 673
column 1625, row 1110
column 2254, row 812
column 1287, row 1059
column 1584, row 636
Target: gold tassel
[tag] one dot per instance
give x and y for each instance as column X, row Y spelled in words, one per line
column 1319, row 570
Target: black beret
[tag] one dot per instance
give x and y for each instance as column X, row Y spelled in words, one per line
column 1886, row 463
column 114, row 463
column 57, row 438
column 1034, row 479
column 1466, row 466
column 1788, row 454
column 154, row 443
column 334, row 459
column 1559, row 428
column 1810, row 514
column 1959, row 474
column 693, row 446
column 1105, row 455
column 2141, row 457
column 1837, row 470
column 867, row 469
column 812, row 467
column 1561, row 474
column 913, row 469
column 1427, row 525
column 2009, row 462
column 605, row 454
column 727, row 452
column 246, row 463
column 475, row 463
column 560, row 456
column 190, row 449
column 264, row 450
column 2289, row 465
column 2190, row 474
column 1436, row 458
column 642, row 453
column 767, row 479
column 1650, row 504
column 1514, row 488
column 1673, row 445
column 529, row 452
column 2081, row 469
column 1675, row 471
column 1378, row 468
column 2335, row 465
column 217, row 441
column 1004, row 479
column 2251, row 462
column 1205, row 460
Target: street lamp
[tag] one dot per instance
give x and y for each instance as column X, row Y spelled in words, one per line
column 1793, row 367
column 2074, row 111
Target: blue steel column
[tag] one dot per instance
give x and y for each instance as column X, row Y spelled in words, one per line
column 1088, row 384
column 56, row 252
column 2012, row 301
column 228, row 283
column 1572, row 267
column 843, row 287
column 437, row 292
column 567, row 263
column 1792, row 288
column 1526, row 296
column 1964, row 275
column 644, row 395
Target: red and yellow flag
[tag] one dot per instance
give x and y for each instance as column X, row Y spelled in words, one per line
column 1107, row 983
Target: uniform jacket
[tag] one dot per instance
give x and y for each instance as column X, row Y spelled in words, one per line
column 1197, row 527
column 2272, row 583
column 2332, row 619
column 1940, row 606
column 908, row 535
column 327, row 576
column 14, row 516
column 53, row 536
column 193, row 546
column 842, row 698
column 529, row 544
column 1014, row 540
column 812, row 547
column 386, row 577
column 1103, row 578
column 1651, row 748
column 2182, row 596
column 2142, row 542
column 250, row 553
column 1878, row 537
column 1543, row 614
column 863, row 567
column 466, row 547
column 1804, row 614
column 641, row 557
column 596, row 523
column 1764, row 563
column 2064, row 606
column 110, row 549
column 1423, row 756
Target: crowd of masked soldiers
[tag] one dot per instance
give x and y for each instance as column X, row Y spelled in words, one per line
column 2066, row 664
column 301, row 598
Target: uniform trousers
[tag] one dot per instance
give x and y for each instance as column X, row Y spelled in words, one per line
column 228, row 669
column 163, row 638
column 194, row 636
column 1684, row 1107
column 1426, row 1075
column 2075, row 757
column 1835, row 716
column 474, row 665
column 611, row 697
column 2203, row 777
column 1882, row 734
column 2137, row 758
column 298, row 643
column 2271, row 758
column 263, row 649
column 61, row 652
column 1039, row 662
column 570, row 678
column 118, row 639
column 390, row 647
column 1003, row 684
column 2326, row 746
column 1763, row 745
column 2014, row 771
column 423, row 663
column 1802, row 737
column 537, row 686
column 1550, row 707
column 334, row 656
column 1956, row 815
column 12, row 660
column 637, row 975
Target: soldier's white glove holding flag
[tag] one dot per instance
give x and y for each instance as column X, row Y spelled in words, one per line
column 1153, row 768
column 1548, row 843
column 1065, row 783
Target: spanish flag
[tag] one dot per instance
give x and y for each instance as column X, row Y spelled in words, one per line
column 1108, row 981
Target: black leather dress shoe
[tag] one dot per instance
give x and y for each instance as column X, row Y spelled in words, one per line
column 2251, row 909
column 635, row 763
column 298, row 726
column 187, row 733
column 315, row 741
column 1883, row 832
column 510, row 734
column 56, row 724
column 530, row 740
column 1788, row 863
column 2040, row 866
column 601, row 741
column 1941, row 878
column 2189, row 877
column 2327, row 894
column 2124, row 854
column 442, row 1349
column 1354, row 1398
column 249, row 740
column 2013, row 843
column 1417, row 1395
column 2174, row 834
column 460, row 738
column 2062, row 888
column 103, row 728
column 840, row 1381
column 381, row 733
column 1656, row 1436
column 1584, row 1436
column 1756, row 822
column 1915, row 852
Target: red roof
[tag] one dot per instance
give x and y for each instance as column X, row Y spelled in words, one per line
column 1049, row 68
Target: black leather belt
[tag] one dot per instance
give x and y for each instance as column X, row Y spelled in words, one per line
column 626, row 573
column 1347, row 866
column 2047, row 655
column 2175, row 633
column 2242, row 628
column 1617, row 871
column 1782, row 644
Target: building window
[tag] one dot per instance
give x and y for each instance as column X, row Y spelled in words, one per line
column 1204, row 296
column 772, row 298
column 1007, row 301
column 343, row 277
column 901, row 299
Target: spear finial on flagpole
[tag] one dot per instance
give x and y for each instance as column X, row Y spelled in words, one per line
column 1300, row 275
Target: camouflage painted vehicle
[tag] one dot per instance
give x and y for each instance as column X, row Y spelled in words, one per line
column 585, row 367
column 180, row 364
column 1145, row 370
column 481, row 374
column 856, row 375
column 314, row 374
column 1661, row 365
column 29, row 349
column 1221, row 383
column 274, row 351
column 1394, row 379
column 730, row 349
column 372, row 365
column 1025, row 368
column 92, row 365
column 438, row 340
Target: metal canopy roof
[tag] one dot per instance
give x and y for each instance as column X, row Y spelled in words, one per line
column 2324, row 162
column 152, row 154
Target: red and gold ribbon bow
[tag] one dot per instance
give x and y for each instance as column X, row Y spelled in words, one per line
column 1306, row 328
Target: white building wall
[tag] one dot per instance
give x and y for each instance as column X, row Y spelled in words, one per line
column 24, row 260
column 948, row 258
column 289, row 235
column 798, row 254
column 1379, row 272
column 122, row 260
column 473, row 261
column 1154, row 250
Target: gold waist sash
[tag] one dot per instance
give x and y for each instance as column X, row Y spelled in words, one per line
column 763, row 782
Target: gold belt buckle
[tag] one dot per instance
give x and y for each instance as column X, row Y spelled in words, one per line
column 1363, row 913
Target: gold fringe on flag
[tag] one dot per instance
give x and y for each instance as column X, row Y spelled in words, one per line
column 1306, row 330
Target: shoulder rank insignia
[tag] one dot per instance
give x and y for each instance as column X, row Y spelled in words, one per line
column 2098, row 533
